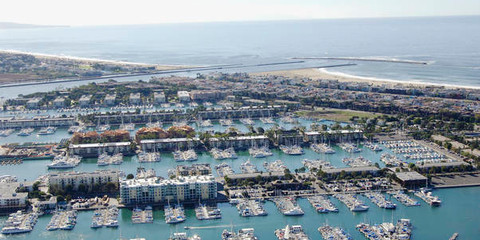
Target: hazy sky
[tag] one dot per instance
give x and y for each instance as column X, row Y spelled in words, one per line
column 107, row 12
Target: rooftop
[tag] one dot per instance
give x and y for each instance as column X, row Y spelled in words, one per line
column 410, row 176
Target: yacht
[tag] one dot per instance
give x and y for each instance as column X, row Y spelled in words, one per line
column 47, row 131
column 62, row 162
column 25, row 132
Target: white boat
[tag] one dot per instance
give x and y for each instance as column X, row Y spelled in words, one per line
column 47, row 131
column 63, row 162
column 127, row 127
column 6, row 132
column 25, row 132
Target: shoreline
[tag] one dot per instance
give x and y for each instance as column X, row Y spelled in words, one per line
column 91, row 60
column 323, row 74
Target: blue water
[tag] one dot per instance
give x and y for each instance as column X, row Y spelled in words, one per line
column 458, row 213
column 449, row 44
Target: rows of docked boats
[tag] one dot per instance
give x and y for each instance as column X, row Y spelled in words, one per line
column 223, row 169
column 322, row 148
column 288, row 206
column 426, row 195
column 148, row 157
column 267, row 120
column 357, row 162
column 322, row 204
column 175, row 214
column 333, row 233
column 349, row 147
column 220, row 154
column 276, row 166
column 142, row 215
column 404, row 198
column 6, row 132
column 105, row 217
column 250, row 207
column 205, row 212
column 248, row 167
column 104, row 159
column 391, row 160
column 226, row 122
column 242, row 234
column 63, row 220
column 184, row 236
column 20, row 222
column 387, row 230
column 63, row 162
column 260, row 152
column 372, row 146
column 80, row 129
column 188, row 155
column 317, row 164
column 412, row 150
column 352, row 202
column 294, row 232
column 379, row 199
column 247, row 121
column 291, row 149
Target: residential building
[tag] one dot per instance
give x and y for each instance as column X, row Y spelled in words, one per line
column 59, row 102
column 10, row 200
column 183, row 96
column 135, row 99
column 84, row 101
column 156, row 190
column 33, row 103
column 110, row 99
column 90, row 180
column 159, row 97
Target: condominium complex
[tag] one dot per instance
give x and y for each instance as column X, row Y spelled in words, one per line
column 10, row 198
column 155, row 190
column 61, row 180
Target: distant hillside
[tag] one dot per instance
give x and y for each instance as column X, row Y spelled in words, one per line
column 10, row 25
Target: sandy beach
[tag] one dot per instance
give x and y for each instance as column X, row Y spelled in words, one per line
column 94, row 60
column 317, row 74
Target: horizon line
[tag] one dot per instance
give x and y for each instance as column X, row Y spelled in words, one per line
column 236, row 21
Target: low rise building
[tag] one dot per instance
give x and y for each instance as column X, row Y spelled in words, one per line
column 91, row 180
column 207, row 95
column 156, row 190
column 10, row 199
column 183, row 96
column 159, row 97
column 84, row 101
column 33, row 103
column 135, row 99
column 411, row 180
column 110, row 99
column 94, row 149
column 59, row 102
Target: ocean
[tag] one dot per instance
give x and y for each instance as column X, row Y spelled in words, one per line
column 449, row 45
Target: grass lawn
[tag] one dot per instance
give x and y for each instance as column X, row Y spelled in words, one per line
column 341, row 115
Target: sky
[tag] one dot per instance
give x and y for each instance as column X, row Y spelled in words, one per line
column 120, row 12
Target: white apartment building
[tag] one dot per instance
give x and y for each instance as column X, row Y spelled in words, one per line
column 155, row 190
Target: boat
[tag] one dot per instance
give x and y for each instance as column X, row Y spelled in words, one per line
column 288, row 206
column 184, row 236
column 25, row 132
column 291, row 232
column 243, row 234
column 380, row 200
column 352, row 202
column 248, row 167
column 292, row 150
column 204, row 212
column 145, row 157
column 142, row 216
column 47, row 131
column 20, row 222
column 250, row 208
column 103, row 128
column 427, row 196
column 331, row 233
column 63, row 162
column 322, row 204
column 6, row 132
column 174, row 214
column 127, row 127
column 260, row 152
column 322, row 148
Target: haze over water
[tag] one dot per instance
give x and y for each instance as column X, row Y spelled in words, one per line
column 449, row 44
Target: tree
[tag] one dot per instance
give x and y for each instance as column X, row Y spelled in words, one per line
column 130, row 176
